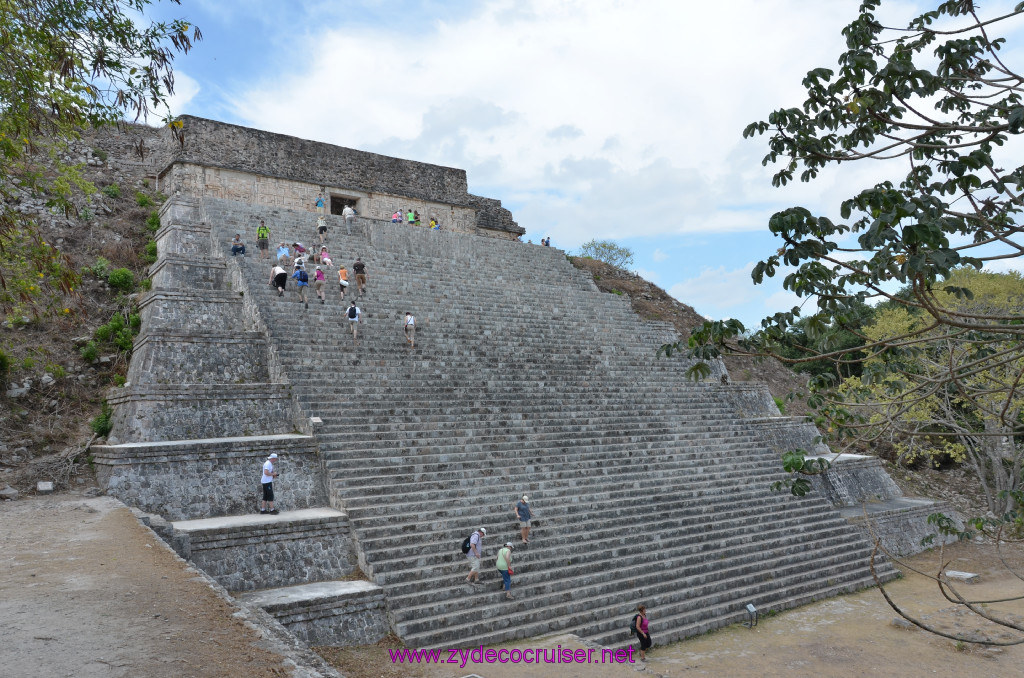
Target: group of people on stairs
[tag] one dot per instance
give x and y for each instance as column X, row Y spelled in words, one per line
column 472, row 546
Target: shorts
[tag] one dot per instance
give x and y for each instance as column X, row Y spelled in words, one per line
column 321, row 229
column 342, row 284
column 280, row 279
column 361, row 279
column 318, row 285
column 410, row 331
column 474, row 564
column 263, row 244
column 268, row 491
column 524, row 523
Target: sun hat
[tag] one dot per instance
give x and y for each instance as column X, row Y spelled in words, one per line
column 482, row 529
column 508, row 544
column 273, row 455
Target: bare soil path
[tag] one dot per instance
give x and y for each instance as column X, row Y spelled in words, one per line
column 86, row 591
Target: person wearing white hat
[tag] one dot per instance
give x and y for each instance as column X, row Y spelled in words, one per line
column 504, row 567
column 476, row 541
column 522, row 511
column 269, row 473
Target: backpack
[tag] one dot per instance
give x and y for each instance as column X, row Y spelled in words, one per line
column 467, row 544
column 352, row 314
column 303, row 276
column 632, row 626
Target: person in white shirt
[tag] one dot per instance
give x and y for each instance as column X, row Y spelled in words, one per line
column 410, row 329
column 269, row 473
column 350, row 216
column 353, row 314
column 278, row 278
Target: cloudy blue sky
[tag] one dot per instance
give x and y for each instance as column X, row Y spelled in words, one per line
column 586, row 118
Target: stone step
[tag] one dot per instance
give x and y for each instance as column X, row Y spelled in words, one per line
column 587, row 604
column 549, row 556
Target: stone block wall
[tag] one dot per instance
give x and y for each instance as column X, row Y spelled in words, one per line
column 250, row 557
column 170, row 412
column 240, row 163
column 855, row 479
column 751, row 400
column 165, row 357
column 357, row 617
column 901, row 530
column 204, row 310
column 176, row 272
column 286, row 194
column 190, row 479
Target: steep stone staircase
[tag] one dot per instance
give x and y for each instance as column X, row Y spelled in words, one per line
column 526, row 380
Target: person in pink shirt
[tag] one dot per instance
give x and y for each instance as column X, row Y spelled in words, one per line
column 643, row 633
column 319, row 280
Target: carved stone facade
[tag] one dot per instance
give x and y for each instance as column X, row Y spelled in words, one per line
column 218, row 160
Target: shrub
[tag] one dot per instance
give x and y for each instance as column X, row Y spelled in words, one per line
column 28, row 363
column 135, row 321
column 99, row 153
column 149, row 254
column 102, row 424
column 143, row 200
column 86, row 214
column 110, row 331
column 781, row 404
column 119, row 380
column 124, row 339
column 89, row 352
column 5, row 365
column 146, row 284
column 100, row 269
column 153, row 221
column 112, row 191
column 121, row 279
column 56, row 371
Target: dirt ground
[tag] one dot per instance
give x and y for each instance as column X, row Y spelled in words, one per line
column 851, row 635
column 86, row 591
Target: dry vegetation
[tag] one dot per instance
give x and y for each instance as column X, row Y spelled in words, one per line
column 51, row 392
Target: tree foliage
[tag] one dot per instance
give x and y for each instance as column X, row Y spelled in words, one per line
column 65, row 65
column 936, row 98
column 937, row 104
column 607, row 251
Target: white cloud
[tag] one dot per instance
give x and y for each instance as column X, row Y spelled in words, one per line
column 658, row 255
column 185, row 89
column 610, row 119
column 715, row 289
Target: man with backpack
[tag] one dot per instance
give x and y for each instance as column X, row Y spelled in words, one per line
column 353, row 314
column 301, row 282
column 473, row 554
column 263, row 240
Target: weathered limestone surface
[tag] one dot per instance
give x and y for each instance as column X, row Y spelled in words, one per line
column 330, row 613
column 169, row 412
column 190, row 479
column 182, row 357
column 204, row 310
column 249, row 552
column 179, row 272
column 258, row 167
